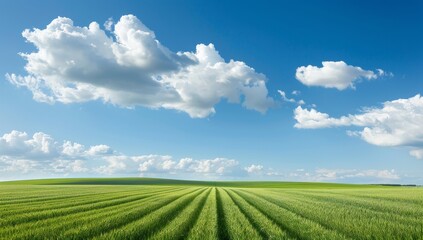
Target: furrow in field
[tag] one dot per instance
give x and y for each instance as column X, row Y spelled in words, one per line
column 27, row 191
column 84, row 225
column 28, row 217
column 294, row 224
column 179, row 227
column 402, row 195
column 223, row 232
column 206, row 227
column 353, row 220
column 70, row 202
column 267, row 228
column 407, row 199
column 146, row 225
column 394, row 195
column 401, row 212
column 237, row 224
column 41, row 197
column 63, row 193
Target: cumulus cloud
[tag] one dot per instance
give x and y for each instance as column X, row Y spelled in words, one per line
column 42, row 146
column 417, row 153
column 18, row 143
column 18, row 160
column 323, row 174
column 16, row 166
column 114, row 164
column 337, row 75
column 40, row 153
column 396, row 123
column 99, row 150
column 254, row 169
column 68, row 166
column 22, row 153
column 159, row 163
column 337, row 175
column 132, row 68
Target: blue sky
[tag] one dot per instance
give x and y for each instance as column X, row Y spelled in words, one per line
column 357, row 124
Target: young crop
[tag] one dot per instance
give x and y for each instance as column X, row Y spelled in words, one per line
column 227, row 210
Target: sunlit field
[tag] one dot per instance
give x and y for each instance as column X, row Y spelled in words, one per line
column 167, row 209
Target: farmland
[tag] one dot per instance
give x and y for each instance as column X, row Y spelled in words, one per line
column 168, row 209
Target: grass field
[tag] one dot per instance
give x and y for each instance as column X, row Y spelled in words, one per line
column 136, row 208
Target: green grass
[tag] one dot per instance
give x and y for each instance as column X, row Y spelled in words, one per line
column 140, row 208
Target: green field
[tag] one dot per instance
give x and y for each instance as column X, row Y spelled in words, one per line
column 138, row 208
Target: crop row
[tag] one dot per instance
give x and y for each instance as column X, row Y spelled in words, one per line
column 182, row 212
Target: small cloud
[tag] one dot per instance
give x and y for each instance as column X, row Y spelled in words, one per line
column 296, row 92
column 382, row 73
column 417, row 153
column 99, row 150
column 255, row 169
column 289, row 100
column 332, row 74
column 108, row 25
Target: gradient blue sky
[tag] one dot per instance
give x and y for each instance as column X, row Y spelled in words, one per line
column 274, row 38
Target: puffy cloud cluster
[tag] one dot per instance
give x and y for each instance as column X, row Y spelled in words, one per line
column 337, row 75
column 68, row 166
column 129, row 67
column 326, row 175
column 21, row 153
column 18, row 144
column 253, row 168
column 20, row 157
column 339, row 174
column 156, row 164
column 396, row 123
column 42, row 146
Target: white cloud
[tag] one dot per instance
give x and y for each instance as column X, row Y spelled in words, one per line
column 115, row 164
column 16, row 166
column 108, row 25
column 159, row 163
column 72, row 149
column 290, row 100
column 18, row 143
column 254, row 169
column 337, row 75
column 99, row 150
column 286, row 99
column 22, row 154
column 156, row 163
column 396, row 123
column 68, row 166
column 417, row 153
column 338, row 174
column 296, row 92
column 132, row 68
